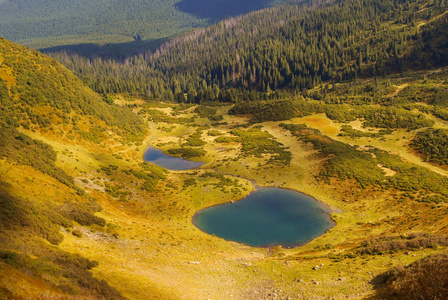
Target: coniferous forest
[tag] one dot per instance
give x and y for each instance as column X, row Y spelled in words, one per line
column 46, row 23
column 132, row 119
column 282, row 50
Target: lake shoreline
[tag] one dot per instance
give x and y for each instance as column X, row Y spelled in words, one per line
column 324, row 208
column 191, row 165
column 159, row 158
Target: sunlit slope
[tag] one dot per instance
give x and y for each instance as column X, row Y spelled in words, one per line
column 40, row 200
column 37, row 92
column 78, row 205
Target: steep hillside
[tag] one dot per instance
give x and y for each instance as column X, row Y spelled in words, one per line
column 352, row 112
column 283, row 49
column 39, row 198
column 45, row 23
column 38, row 93
column 82, row 216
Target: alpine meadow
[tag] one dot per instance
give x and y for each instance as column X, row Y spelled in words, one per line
column 222, row 149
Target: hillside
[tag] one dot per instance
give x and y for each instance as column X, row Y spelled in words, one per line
column 350, row 111
column 43, row 23
column 39, row 196
column 279, row 51
column 39, row 93
column 82, row 216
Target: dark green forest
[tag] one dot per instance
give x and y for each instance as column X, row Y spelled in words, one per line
column 80, row 21
column 433, row 145
column 47, row 23
column 276, row 52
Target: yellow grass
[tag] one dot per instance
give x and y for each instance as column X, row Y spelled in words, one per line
column 160, row 254
column 7, row 76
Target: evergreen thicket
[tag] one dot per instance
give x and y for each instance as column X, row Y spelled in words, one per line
column 345, row 161
column 432, row 144
column 45, row 23
column 278, row 51
column 21, row 149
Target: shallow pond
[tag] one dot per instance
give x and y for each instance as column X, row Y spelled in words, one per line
column 267, row 217
column 159, row 158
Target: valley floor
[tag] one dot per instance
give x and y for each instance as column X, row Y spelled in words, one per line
column 159, row 253
column 150, row 249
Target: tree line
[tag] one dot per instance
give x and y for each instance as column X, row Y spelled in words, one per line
column 277, row 51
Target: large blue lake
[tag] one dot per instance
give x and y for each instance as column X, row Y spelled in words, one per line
column 159, row 158
column 267, row 217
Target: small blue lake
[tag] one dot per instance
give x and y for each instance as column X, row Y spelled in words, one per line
column 159, row 158
column 267, row 217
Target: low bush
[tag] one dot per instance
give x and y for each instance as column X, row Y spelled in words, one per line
column 214, row 133
column 432, row 144
column 347, row 130
column 83, row 213
column 395, row 243
column 186, row 152
column 227, row 139
column 347, row 162
column 423, row 279
column 278, row 110
column 159, row 116
column 258, row 143
column 22, row 149
column 195, row 139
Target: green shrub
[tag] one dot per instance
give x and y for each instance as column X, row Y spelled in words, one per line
column 277, row 110
column 227, row 139
column 432, row 144
column 83, row 213
column 158, row 116
column 214, row 133
column 186, row 152
column 423, row 279
column 189, row 182
column 345, row 162
column 206, row 112
column 391, row 117
column 20, row 148
column 195, row 139
column 258, row 143
column 77, row 233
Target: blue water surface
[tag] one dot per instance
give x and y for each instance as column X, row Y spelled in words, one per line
column 159, row 158
column 267, row 217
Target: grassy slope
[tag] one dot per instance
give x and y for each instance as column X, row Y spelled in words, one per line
column 159, row 254
column 38, row 201
column 150, row 248
column 172, row 255
column 39, row 93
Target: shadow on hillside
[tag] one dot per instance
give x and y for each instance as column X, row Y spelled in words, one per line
column 12, row 214
column 378, row 283
column 220, row 9
column 118, row 51
column 425, row 278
